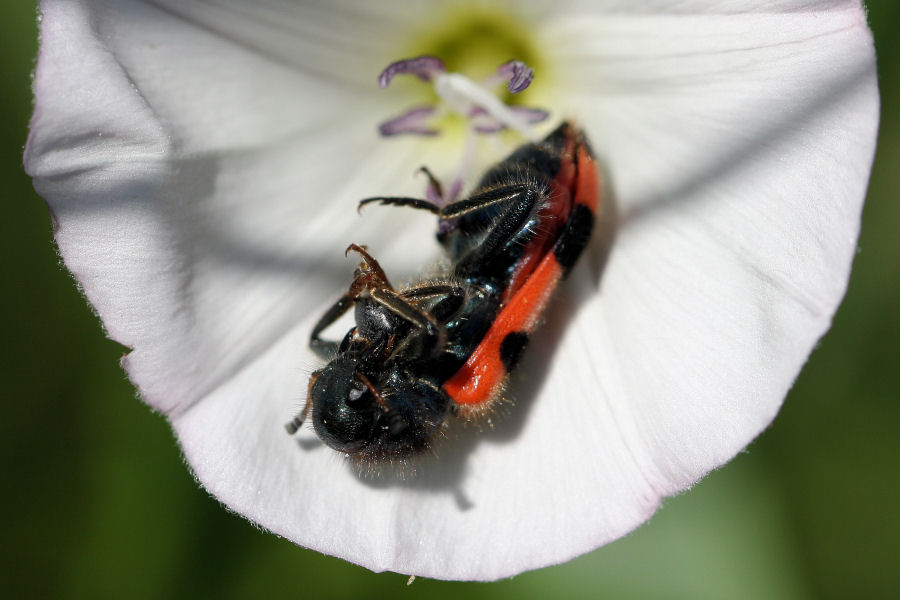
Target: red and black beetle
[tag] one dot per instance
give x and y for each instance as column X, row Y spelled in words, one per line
column 446, row 346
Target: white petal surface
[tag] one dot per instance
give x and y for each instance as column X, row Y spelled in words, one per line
column 197, row 216
column 740, row 150
column 203, row 159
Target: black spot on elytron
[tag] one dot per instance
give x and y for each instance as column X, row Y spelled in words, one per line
column 575, row 236
column 511, row 349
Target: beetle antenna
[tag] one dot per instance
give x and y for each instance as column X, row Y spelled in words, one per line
column 294, row 424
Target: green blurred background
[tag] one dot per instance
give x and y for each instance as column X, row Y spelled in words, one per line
column 97, row 502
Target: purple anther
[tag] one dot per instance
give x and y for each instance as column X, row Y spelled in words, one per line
column 433, row 194
column 530, row 115
column 423, row 67
column 438, row 194
column 412, row 121
column 484, row 123
column 433, row 191
column 517, row 73
column 454, row 190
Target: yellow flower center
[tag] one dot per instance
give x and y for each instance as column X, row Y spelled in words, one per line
column 473, row 40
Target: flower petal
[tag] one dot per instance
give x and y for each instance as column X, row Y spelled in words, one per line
column 730, row 263
column 206, row 223
column 708, row 307
column 199, row 218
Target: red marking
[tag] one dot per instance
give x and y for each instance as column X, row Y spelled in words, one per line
column 480, row 380
column 587, row 191
column 482, row 377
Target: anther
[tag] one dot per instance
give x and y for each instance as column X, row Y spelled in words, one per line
column 423, row 67
column 517, row 74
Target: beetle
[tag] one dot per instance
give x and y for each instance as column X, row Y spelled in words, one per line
column 444, row 347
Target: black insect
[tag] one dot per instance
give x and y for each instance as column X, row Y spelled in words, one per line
column 446, row 346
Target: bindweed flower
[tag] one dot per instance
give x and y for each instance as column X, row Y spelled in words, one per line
column 202, row 163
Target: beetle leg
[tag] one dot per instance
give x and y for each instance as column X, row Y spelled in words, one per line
column 402, row 201
column 507, row 194
column 369, row 275
column 327, row 348
column 404, row 309
column 434, row 196
column 513, row 229
column 427, row 292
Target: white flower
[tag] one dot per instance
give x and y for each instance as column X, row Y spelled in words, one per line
column 202, row 161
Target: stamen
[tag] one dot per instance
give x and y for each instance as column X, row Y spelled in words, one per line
column 517, row 73
column 434, row 192
column 440, row 195
column 423, row 67
column 463, row 95
column 454, row 190
column 484, row 123
column 412, row 121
